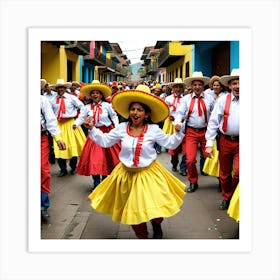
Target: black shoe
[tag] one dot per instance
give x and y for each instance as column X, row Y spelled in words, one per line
column 183, row 173
column 224, row 205
column 72, row 172
column 44, row 216
column 174, row 168
column 192, row 188
column 203, row 173
column 62, row 173
column 157, row 230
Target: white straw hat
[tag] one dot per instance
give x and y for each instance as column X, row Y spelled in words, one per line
column 233, row 76
column 197, row 76
column 61, row 83
column 177, row 81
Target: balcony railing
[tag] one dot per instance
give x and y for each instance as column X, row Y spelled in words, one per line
column 165, row 58
column 79, row 47
column 152, row 68
column 97, row 58
column 163, row 55
column 111, row 64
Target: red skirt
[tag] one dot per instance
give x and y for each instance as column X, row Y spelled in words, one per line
column 96, row 160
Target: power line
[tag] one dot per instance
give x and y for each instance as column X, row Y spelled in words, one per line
column 133, row 50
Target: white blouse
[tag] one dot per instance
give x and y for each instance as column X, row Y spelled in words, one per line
column 106, row 118
column 130, row 144
column 72, row 104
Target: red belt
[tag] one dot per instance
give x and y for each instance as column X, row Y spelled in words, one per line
column 197, row 128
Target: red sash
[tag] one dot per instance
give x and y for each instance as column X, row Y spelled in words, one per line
column 200, row 103
column 226, row 112
column 62, row 107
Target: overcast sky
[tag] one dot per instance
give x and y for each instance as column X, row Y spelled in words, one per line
column 134, row 49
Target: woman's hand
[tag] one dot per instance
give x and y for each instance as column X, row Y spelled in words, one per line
column 89, row 123
column 178, row 127
column 209, row 152
column 61, row 145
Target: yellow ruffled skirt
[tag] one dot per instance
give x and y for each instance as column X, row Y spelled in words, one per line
column 136, row 195
column 233, row 210
column 212, row 165
column 168, row 127
column 74, row 138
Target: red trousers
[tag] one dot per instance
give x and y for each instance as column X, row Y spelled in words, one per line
column 193, row 138
column 45, row 164
column 228, row 157
column 141, row 229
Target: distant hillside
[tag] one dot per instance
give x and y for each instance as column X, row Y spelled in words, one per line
column 135, row 67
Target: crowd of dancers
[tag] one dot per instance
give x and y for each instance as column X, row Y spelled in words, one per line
column 113, row 133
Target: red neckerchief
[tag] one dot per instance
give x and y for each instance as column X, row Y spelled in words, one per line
column 97, row 111
column 139, row 144
column 176, row 101
column 226, row 112
column 200, row 103
column 62, row 107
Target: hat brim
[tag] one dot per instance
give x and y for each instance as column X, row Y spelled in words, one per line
column 66, row 85
column 122, row 100
column 225, row 79
column 188, row 81
column 172, row 84
column 105, row 89
column 43, row 83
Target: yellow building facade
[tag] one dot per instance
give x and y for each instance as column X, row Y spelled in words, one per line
column 182, row 67
column 59, row 63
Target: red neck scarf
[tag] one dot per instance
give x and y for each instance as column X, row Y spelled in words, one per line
column 97, row 111
column 139, row 144
column 200, row 103
column 176, row 101
column 62, row 107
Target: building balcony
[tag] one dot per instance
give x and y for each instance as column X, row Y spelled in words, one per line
column 96, row 58
column 168, row 55
column 79, row 47
column 151, row 68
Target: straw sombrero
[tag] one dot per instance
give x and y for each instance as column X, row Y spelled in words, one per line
column 96, row 85
column 75, row 83
column 197, row 76
column 43, row 83
column 177, row 81
column 213, row 79
column 142, row 94
column 60, row 83
column 226, row 78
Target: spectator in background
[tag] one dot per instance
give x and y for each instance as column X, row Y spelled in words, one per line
column 74, row 89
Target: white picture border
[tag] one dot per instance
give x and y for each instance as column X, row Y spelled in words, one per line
column 261, row 262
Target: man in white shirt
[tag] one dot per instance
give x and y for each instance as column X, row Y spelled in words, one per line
column 225, row 117
column 196, row 108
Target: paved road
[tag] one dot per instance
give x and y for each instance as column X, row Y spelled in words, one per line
column 71, row 216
